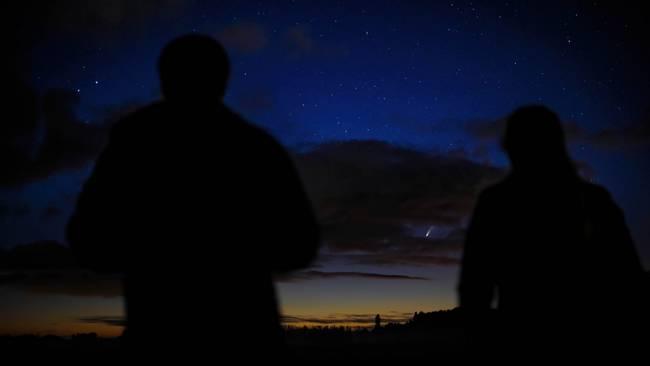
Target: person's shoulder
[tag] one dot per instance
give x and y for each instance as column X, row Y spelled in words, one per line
column 595, row 192
column 257, row 136
column 598, row 198
column 235, row 117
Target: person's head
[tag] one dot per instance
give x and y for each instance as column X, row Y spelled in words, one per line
column 193, row 68
column 534, row 141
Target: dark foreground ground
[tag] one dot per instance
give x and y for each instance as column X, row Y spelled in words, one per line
column 303, row 346
column 325, row 346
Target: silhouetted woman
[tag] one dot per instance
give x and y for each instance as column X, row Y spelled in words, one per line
column 551, row 251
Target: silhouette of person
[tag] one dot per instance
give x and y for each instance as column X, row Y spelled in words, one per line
column 552, row 250
column 198, row 209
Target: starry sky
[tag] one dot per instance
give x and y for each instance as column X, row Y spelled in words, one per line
column 392, row 110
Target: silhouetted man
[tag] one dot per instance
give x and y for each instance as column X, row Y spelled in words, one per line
column 197, row 208
column 551, row 249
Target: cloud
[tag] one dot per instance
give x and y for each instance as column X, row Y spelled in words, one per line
column 41, row 19
column 60, row 142
column 48, row 267
column 244, row 37
column 371, row 197
column 76, row 283
column 40, row 135
column 386, row 183
column 66, row 143
column 107, row 320
column 42, row 255
column 389, row 259
column 299, row 39
column 300, row 42
column 51, row 212
column 398, row 250
column 633, row 136
column 317, row 275
column 18, row 209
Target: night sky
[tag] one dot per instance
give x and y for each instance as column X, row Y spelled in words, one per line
column 392, row 109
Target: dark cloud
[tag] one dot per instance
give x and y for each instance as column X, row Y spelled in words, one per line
column 369, row 196
column 636, row 135
column 40, row 134
column 487, row 130
column 48, row 267
column 51, row 212
column 61, row 142
column 244, row 37
column 385, row 183
column 76, row 283
column 300, row 40
column 42, row 255
column 107, row 320
column 317, row 275
column 19, row 124
column 400, row 250
column 37, row 20
column 10, row 209
column 399, row 259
